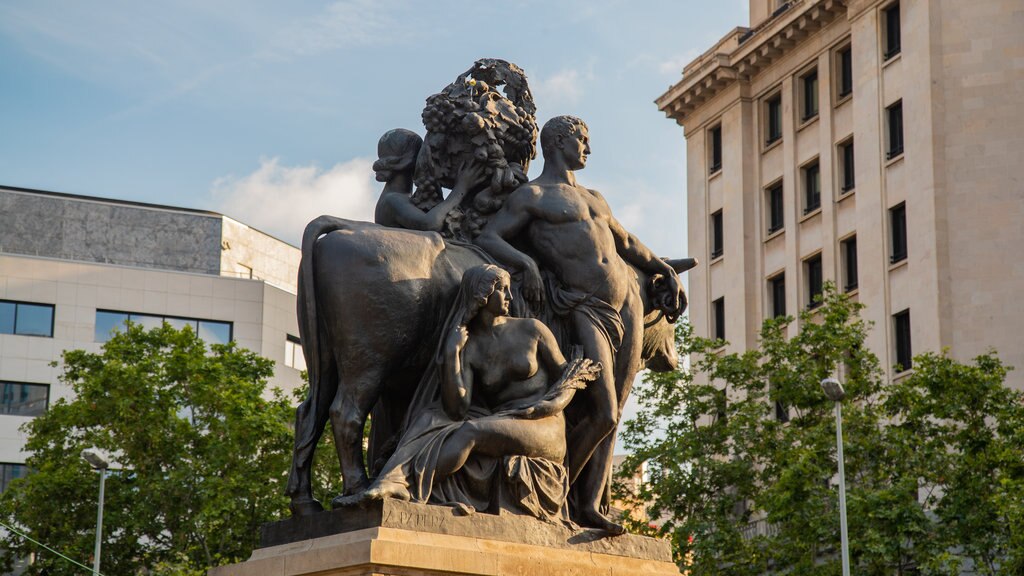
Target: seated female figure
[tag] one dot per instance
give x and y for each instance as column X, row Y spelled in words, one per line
column 397, row 151
column 492, row 409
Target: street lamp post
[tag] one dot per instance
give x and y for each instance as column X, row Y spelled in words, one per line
column 98, row 462
column 834, row 390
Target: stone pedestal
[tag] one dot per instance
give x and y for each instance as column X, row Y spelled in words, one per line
column 404, row 539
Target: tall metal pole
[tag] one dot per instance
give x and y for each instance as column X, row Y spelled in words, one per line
column 99, row 525
column 842, row 491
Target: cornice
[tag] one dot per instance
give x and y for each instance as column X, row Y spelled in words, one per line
column 743, row 53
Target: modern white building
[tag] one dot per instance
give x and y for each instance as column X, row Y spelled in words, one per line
column 74, row 267
column 878, row 144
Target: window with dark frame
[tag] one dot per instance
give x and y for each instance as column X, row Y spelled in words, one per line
column 776, row 210
column 715, row 136
column 846, row 168
column 812, row 187
column 9, row 472
column 718, row 329
column 773, row 119
column 26, row 318
column 812, row 267
column 898, row 233
column 894, row 115
column 293, row 357
column 809, row 92
column 893, row 39
column 717, row 235
column 845, row 76
column 781, row 412
column 210, row 331
column 777, row 292
column 901, row 336
column 849, row 253
column 23, row 398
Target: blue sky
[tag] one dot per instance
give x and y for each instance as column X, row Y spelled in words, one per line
column 270, row 112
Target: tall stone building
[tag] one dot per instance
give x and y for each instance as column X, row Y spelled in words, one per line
column 73, row 268
column 878, row 144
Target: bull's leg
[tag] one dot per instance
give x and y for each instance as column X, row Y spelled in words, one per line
column 356, row 397
column 310, row 418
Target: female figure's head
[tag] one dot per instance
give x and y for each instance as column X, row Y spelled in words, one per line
column 396, row 153
column 484, row 287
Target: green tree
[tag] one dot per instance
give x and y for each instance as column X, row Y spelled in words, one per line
column 200, row 457
column 741, row 461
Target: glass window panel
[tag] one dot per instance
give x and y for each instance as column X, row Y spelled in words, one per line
column 179, row 323
column 107, row 323
column 10, row 472
column 23, row 399
column 215, row 332
column 34, row 320
column 7, row 317
column 147, row 321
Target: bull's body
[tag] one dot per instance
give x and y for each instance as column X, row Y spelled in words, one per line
column 371, row 301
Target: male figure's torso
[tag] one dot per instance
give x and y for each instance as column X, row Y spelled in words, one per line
column 570, row 235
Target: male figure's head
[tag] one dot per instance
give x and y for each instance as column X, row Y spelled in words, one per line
column 566, row 138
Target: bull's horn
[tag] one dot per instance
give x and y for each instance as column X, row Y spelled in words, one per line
column 681, row 265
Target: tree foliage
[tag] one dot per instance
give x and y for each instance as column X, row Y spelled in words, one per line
column 200, row 456
column 740, row 451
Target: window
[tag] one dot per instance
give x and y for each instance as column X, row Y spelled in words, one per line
column 717, row 235
column 812, row 267
column 844, row 61
column 26, row 319
column 898, row 233
column 781, row 412
column 891, row 23
column 812, row 187
column 715, row 138
column 894, row 115
column 809, row 95
column 10, row 472
column 848, row 249
column 293, row 357
column 210, row 331
column 22, row 399
column 901, row 335
column 718, row 309
column 776, row 216
column 773, row 119
column 777, row 293
column 846, row 167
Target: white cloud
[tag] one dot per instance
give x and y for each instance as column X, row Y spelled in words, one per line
column 281, row 200
column 563, row 88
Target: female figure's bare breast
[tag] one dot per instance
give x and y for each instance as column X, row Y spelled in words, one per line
column 506, row 368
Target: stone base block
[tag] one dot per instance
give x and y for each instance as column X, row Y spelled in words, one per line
column 414, row 540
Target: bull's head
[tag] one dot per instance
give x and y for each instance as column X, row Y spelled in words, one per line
column 659, row 348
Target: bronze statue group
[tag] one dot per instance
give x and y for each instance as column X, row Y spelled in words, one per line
column 493, row 332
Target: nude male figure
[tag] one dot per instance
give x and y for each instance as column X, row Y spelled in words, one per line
column 569, row 232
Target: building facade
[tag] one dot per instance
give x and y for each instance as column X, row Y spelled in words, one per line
column 72, row 268
column 877, row 144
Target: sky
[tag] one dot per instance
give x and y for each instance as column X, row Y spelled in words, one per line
column 270, row 112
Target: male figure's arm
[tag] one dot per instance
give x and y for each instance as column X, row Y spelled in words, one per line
column 633, row 251
column 513, row 217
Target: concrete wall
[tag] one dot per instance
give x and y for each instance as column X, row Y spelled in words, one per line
column 261, row 316
column 94, row 230
column 249, row 253
column 979, row 95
